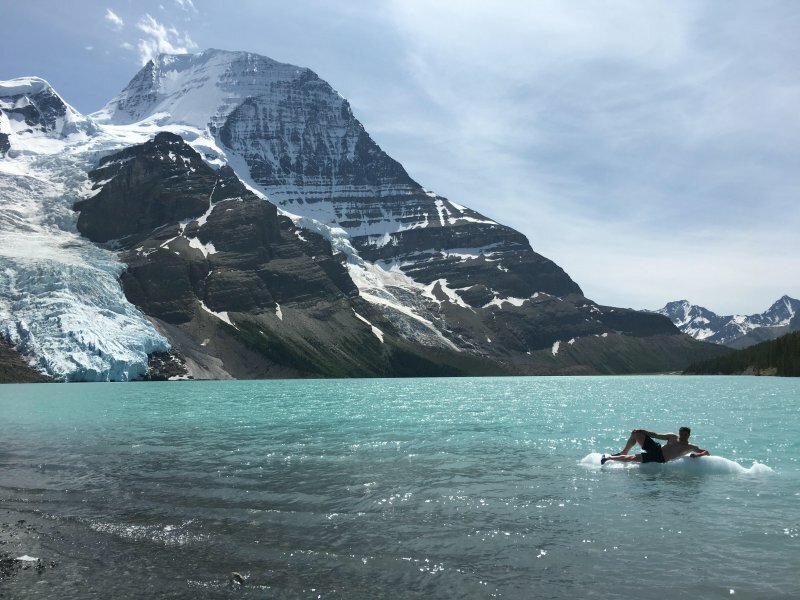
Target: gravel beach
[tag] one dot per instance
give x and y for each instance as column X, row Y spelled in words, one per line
column 27, row 558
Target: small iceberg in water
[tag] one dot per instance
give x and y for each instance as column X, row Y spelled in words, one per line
column 694, row 466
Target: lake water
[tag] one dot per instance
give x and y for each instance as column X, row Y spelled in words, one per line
column 405, row 488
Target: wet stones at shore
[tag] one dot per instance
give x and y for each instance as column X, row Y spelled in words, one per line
column 8, row 566
column 16, row 535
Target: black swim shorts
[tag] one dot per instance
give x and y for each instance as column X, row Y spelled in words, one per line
column 652, row 451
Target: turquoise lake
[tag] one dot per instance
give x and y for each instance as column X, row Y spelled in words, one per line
column 404, row 488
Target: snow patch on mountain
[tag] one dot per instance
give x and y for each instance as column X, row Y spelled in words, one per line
column 222, row 316
column 375, row 331
column 206, row 249
column 498, row 302
column 439, row 291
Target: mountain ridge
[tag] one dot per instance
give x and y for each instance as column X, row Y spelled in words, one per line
column 735, row 331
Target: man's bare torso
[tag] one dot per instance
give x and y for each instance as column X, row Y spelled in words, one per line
column 675, row 449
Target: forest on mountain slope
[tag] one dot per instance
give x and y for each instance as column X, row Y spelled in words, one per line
column 776, row 357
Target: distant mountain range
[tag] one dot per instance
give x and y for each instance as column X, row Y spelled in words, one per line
column 734, row 331
column 227, row 216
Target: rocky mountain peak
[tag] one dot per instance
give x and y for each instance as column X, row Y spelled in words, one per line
column 783, row 310
column 303, row 147
column 196, row 89
column 30, row 105
column 683, row 312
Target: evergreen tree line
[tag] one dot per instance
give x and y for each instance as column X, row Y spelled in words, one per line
column 782, row 354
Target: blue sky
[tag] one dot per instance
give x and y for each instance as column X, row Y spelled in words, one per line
column 651, row 149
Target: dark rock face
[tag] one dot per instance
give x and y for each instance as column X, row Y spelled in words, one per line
column 162, row 284
column 191, row 233
column 5, row 145
column 139, row 190
column 240, row 227
column 163, row 366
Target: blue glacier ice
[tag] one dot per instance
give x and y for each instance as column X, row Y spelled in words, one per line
column 61, row 304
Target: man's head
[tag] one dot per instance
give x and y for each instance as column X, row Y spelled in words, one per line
column 684, row 433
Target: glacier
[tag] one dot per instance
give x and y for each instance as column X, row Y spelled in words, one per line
column 61, row 304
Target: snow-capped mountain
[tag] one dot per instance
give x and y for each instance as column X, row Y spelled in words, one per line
column 736, row 331
column 29, row 105
column 295, row 139
column 177, row 245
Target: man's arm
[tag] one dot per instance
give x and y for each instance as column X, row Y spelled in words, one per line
column 697, row 451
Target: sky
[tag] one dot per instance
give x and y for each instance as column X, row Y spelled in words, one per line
column 650, row 148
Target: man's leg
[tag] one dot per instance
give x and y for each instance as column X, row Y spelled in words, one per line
column 621, row 458
column 637, row 437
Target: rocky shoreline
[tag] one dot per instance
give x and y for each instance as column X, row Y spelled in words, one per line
column 23, row 551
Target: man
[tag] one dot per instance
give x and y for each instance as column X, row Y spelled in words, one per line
column 676, row 446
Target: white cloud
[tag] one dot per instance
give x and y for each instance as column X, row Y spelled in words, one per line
column 664, row 134
column 186, row 5
column 161, row 40
column 116, row 22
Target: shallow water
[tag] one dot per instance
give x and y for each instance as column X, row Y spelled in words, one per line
column 435, row 488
